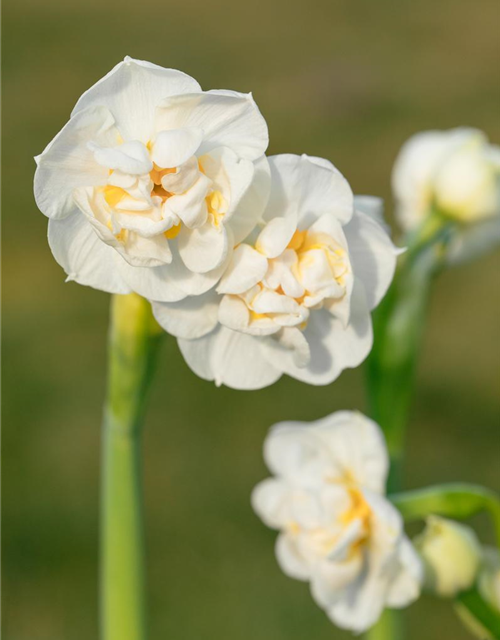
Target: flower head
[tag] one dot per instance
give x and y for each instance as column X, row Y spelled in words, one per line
column 455, row 174
column 152, row 182
column 296, row 295
column 451, row 553
column 337, row 530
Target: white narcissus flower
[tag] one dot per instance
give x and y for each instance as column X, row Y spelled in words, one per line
column 297, row 293
column 337, row 529
column 456, row 173
column 152, row 182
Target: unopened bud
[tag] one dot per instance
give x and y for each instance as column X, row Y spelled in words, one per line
column 451, row 554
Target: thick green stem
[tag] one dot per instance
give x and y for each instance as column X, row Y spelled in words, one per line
column 388, row 627
column 132, row 348
column 398, row 327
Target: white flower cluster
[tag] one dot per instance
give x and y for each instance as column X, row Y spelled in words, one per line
column 337, row 529
column 258, row 266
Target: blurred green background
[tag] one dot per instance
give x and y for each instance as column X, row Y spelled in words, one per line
column 349, row 80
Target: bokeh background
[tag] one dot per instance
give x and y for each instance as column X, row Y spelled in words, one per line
column 349, row 80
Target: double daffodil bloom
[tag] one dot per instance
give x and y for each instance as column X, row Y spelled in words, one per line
column 152, row 182
column 296, row 295
column 455, row 174
column 337, row 529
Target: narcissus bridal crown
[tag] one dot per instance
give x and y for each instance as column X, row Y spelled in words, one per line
column 297, row 293
column 258, row 267
column 152, row 182
column 337, row 529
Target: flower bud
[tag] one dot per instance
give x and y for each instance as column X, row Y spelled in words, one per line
column 451, row 554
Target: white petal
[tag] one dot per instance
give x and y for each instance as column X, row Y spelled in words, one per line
column 139, row 251
column 357, row 446
column 230, row 175
column 153, row 283
column 292, row 562
column 246, row 268
column 169, row 283
column 333, row 346
column 275, row 236
column 184, row 178
column 406, row 586
column 292, row 340
column 361, row 605
column 373, row 207
column 229, row 358
column 293, row 451
column 191, row 207
column 233, row 313
column 130, row 157
column 132, row 90
column 372, row 254
column 173, row 148
column 253, row 202
column 67, row 162
column 190, row 318
column 309, row 187
column 203, row 249
column 270, row 502
column 331, row 578
column 237, row 362
column 232, row 121
column 271, row 302
column 82, row 254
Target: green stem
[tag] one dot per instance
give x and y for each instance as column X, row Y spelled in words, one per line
column 132, row 348
column 388, row 627
column 398, row 328
column 453, row 500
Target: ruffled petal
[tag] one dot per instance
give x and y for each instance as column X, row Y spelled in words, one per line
column 191, row 207
column 153, row 283
column 203, row 249
column 137, row 250
column 357, row 446
column 190, row 318
column 173, row 148
column 230, row 358
column 275, row 236
column 406, row 586
column 253, row 202
column 291, row 561
column 68, row 162
column 83, row 256
column 246, row 268
column 169, row 283
column 228, row 120
column 309, row 187
column 270, row 501
column 131, row 91
column 373, row 256
column 333, row 346
column 131, row 158
column 230, row 174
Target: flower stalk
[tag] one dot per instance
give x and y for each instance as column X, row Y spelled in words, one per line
column 398, row 325
column 132, row 349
